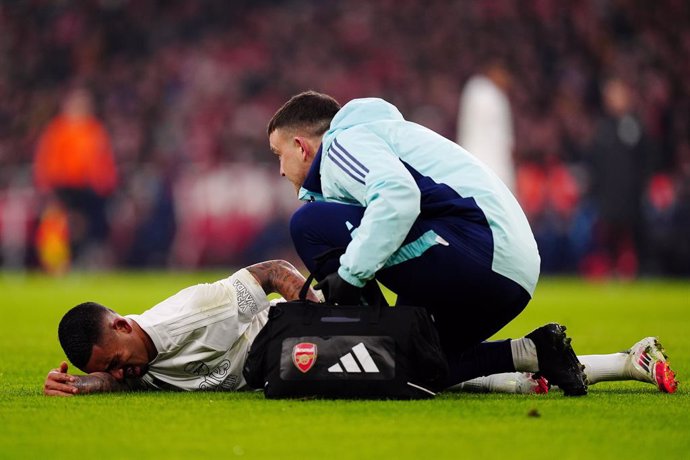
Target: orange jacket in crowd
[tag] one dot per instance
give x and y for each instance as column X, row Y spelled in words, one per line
column 75, row 153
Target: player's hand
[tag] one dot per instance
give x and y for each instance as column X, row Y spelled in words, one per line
column 315, row 295
column 58, row 382
column 338, row 291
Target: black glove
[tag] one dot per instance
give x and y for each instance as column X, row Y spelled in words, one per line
column 338, row 291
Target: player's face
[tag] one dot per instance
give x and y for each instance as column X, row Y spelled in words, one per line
column 294, row 160
column 120, row 353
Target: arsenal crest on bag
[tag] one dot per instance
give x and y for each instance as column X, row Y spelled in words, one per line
column 373, row 351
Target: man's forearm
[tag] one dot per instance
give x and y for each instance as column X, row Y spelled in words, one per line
column 97, row 382
column 278, row 276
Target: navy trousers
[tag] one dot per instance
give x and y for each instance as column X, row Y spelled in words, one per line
column 469, row 302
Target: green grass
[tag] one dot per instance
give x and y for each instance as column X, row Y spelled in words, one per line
column 617, row 420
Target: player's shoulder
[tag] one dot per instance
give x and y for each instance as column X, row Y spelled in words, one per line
column 193, row 297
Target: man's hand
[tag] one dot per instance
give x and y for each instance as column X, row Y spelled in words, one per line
column 59, row 382
column 338, row 291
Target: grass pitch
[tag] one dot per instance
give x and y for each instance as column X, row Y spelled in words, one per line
column 616, row 420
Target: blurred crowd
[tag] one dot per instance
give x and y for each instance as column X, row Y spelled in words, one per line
column 176, row 95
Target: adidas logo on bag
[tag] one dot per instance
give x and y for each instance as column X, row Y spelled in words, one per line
column 362, row 363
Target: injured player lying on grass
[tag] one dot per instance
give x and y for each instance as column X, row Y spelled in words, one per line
column 198, row 339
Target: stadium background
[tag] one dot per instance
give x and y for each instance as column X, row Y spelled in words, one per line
column 185, row 89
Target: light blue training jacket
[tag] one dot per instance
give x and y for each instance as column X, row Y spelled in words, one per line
column 399, row 170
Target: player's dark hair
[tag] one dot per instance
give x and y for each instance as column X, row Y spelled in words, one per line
column 310, row 111
column 80, row 329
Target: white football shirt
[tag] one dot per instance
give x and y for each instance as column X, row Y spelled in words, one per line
column 203, row 334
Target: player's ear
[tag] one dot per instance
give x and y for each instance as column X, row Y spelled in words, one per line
column 304, row 145
column 121, row 324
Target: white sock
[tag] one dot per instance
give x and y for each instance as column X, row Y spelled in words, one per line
column 478, row 385
column 495, row 383
column 524, row 355
column 605, row 368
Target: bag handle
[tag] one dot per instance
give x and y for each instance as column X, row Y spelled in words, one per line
column 305, row 287
column 319, row 261
column 371, row 291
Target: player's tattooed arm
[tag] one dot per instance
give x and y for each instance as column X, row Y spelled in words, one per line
column 101, row 382
column 60, row 383
column 282, row 277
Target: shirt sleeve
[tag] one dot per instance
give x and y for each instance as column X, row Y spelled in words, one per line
column 251, row 298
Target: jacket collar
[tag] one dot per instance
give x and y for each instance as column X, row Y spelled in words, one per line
column 311, row 188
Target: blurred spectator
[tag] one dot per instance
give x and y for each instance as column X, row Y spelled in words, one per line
column 16, row 222
column 223, row 210
column 619, row 158
column 485, row 121
column 667, row 213
column 152, row 224
column 550, row 197
column 74, row 163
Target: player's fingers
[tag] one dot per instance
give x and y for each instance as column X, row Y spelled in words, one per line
column 52, row 388
column 60, row 385
column 57, row 376
column 56, row 393
column 315, row 296
column 62, row 369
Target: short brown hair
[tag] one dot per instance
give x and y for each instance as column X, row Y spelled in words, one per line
column 309, row 110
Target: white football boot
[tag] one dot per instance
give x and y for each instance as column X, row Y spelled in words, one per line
column 648, row 362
